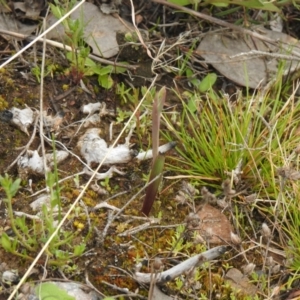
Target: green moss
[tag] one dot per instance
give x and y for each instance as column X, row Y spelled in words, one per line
column 18, row 101
column 6, row 79
column 3, row 103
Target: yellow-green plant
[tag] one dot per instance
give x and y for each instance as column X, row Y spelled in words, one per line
column 81, row 64
column 30, row 235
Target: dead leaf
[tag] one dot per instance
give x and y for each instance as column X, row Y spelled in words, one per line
column 220, row 49
column 288, row 173
column 31, row 8
column 214, row 226
column 240, row 282
column 157, row 294
column 109, row 8
column 37, row 204
column 9, row 23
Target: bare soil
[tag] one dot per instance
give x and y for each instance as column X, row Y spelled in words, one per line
column 104, row 258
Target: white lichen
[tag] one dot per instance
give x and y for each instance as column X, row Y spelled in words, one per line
column 94, row 149
column 91, row 108
column 22, row 118
column 32, row 162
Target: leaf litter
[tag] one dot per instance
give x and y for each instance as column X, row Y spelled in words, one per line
column 93, row 149
column 246, row 60
column 92, row 139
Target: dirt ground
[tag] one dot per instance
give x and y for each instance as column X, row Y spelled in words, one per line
column 107, row 263
column 103, row 259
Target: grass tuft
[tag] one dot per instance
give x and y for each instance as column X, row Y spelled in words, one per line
column 246, row 139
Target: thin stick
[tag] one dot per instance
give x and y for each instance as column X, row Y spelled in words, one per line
column 182, row 267
column 138, row 32
column 42, row 105
column 68, row 48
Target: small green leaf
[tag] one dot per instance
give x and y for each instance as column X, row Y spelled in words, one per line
column 213, row 95
column 189, row 73
column 120, row 70
column 15, row 187
column 90, row 63
column 180, row 2
column 61, row 254
column 252, row 4
column 51, row 291
column 20, row 222
column 104, row 70
column 192, row 105
column 105, row 81
column 84, row 52
column 6, row 183
column 5, row 242
column 56, row 11
column 257, row 4
column 14, row 245
column 195, row 82
column 32, row 241
column 79, row 249
column 221, row 4
column 207, row 82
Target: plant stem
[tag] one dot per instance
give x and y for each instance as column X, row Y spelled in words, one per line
column 14, row 227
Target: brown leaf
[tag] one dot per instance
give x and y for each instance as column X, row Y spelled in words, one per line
column 214, row 225
column 288, row 173
column 220, row 49
column 240, row 282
